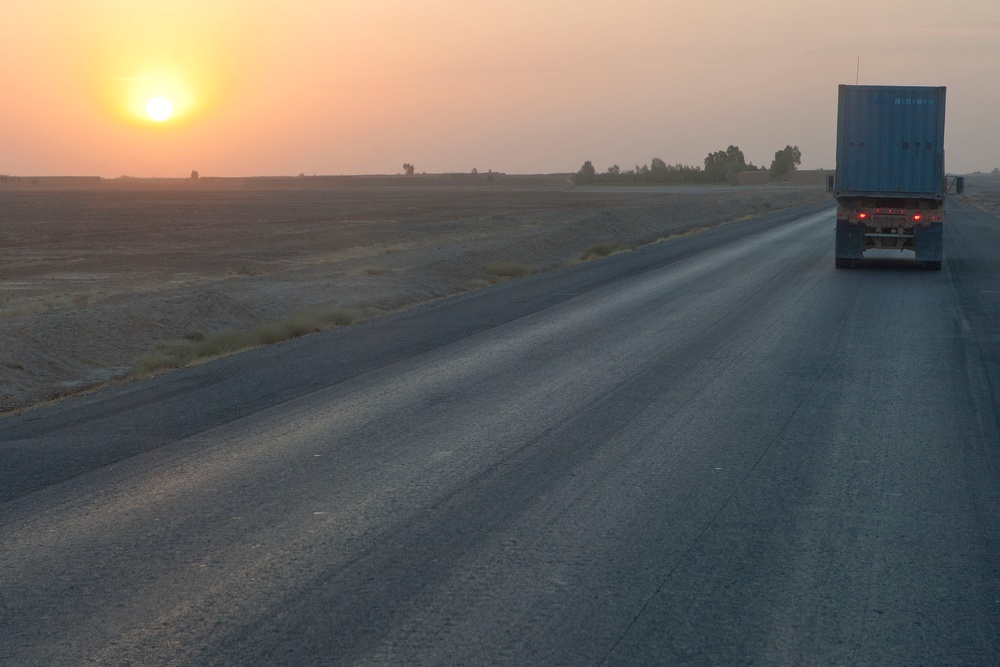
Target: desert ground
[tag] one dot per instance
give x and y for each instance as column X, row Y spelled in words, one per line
column 95, row 277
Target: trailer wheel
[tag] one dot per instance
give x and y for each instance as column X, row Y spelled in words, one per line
column 932, row 266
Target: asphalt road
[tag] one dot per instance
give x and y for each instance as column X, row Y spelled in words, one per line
column 716, row 450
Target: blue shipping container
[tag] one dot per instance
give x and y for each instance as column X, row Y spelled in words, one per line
column 890, row 142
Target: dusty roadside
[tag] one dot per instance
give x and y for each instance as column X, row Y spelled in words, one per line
column 91, row 278
column 983, row 190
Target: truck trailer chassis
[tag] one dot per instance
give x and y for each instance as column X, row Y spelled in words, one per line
column 870, row 226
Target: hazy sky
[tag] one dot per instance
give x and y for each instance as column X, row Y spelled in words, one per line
column 519, row 86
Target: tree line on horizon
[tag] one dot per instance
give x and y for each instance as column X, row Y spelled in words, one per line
column 720, row 167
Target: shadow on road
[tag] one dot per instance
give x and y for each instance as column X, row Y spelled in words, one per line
column 887, row 263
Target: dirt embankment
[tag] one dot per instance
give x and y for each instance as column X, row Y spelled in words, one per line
column 983, row 190
column 91, row 278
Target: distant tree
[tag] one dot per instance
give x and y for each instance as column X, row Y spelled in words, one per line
column 194, row 175
column 658, row 170
column 586, row 175
column 474, row 171
column 996, row 171
column 785, row 162
column 408, row 169
column 722, row 166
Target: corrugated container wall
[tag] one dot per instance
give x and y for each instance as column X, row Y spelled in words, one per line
column 890, row 142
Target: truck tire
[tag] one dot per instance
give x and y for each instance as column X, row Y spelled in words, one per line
column 929, row 245
column 850, row 244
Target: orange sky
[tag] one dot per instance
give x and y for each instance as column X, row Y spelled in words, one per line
column 362, row 86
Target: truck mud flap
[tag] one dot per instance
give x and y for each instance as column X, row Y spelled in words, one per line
column 928, row 245
column 850, row 243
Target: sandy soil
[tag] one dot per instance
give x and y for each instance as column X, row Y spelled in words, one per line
column 91, row 277
column 983, row 190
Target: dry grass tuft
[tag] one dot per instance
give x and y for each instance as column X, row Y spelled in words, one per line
column 478, row 283
column 151, row 361
column 338, row 317
column 602, row 249
column 504, row 270
column 197, row 346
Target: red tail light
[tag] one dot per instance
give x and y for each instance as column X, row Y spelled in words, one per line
column 862, row 216
column 917, row 216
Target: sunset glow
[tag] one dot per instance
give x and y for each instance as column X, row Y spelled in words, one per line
column 159, row 109
column 364, row 86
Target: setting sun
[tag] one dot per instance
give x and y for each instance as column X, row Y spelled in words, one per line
column 159, row 109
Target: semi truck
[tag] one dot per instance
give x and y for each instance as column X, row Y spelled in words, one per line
column 890, row 183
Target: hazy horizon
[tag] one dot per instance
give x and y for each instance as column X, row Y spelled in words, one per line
column 344, row 88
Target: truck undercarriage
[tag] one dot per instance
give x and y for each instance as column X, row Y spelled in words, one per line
column 872, row 224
